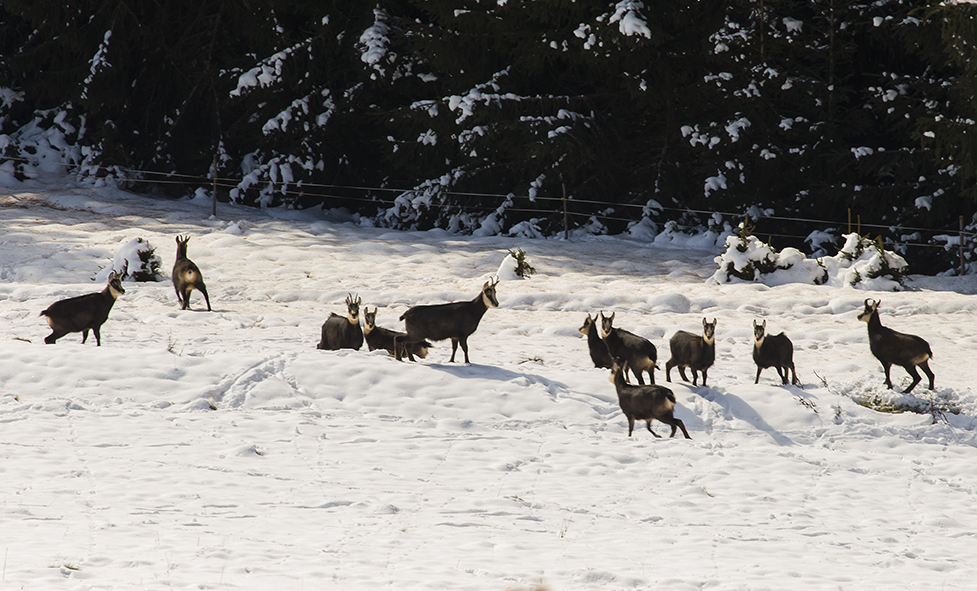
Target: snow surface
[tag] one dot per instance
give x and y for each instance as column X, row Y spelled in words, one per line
column 221, row 450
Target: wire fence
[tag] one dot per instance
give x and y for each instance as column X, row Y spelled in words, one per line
column 375, row 195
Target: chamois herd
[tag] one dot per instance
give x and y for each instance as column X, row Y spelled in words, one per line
column 610, row 347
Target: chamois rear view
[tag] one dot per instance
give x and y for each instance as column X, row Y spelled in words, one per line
column 83, row 313
column 187, row 276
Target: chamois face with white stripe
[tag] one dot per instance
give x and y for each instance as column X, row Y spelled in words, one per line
column 759, row 332
column 709, row 331
column 353, row 309
column 488, row 294
column 369, row 319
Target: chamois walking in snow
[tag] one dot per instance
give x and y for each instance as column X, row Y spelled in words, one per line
column 83, row 313
column 645, row 403
column 895, row 348
column 343, row 332
column 598, row 350
column 639, row 353
column 773, row 351
column 396, row 343
column 698, row 353
column 455, row 321
column 187, row 276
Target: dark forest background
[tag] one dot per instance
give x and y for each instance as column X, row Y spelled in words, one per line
column 421, row 114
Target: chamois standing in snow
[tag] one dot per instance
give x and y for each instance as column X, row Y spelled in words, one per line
column 83, row 313
column 187, row 276
column 639, row 353
column 645, row 403
column 343, row 332
column 698, row 353
column 895, row 348
column 598, row 350
column 773, row 351
column 396, row 343
column 455, row 320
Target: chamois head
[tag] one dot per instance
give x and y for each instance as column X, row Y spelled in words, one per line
column 585, row 327
column 709, row 331
column 488, row 293
column 618, row 366
column 115, row 284
column 871, row 307
column 369, row 319
column 758, row 332
column 181, row 246
column 353, row 309
column 606, row 324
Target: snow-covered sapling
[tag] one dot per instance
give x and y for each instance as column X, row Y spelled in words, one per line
column 187, row 276
column 693, row 351
column 773, row 351
column 896, row 348
column 343, row 332
column 639, row 353
column 645, row 402
column 455, row 320
column 83, row 313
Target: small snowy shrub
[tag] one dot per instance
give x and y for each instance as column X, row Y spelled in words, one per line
column 515, row 266
column 138, row 261
column 864, row 263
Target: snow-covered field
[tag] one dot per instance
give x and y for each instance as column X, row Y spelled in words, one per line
column 221, row 450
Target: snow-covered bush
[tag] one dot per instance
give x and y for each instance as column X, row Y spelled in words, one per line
column 138, row 261
column 515, row 266
column 861, row 263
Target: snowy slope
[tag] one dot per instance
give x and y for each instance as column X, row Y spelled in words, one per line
column 198, row 450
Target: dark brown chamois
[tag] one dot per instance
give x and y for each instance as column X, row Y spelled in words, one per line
column 598, row 350
column 455, row 321
column 698, row 353
column 395, row 342
column 638, row 352
column 343, row 332
column 645, row 403
column 187, row 276
column 895, row 348
column 773, row 351
column 83, row 313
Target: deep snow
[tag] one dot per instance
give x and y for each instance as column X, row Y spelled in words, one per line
column 198, row 450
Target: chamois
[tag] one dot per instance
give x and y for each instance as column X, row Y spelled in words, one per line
column 638, row 352
column 187, row 276
column 895, row 348
column 455, row 320
column 83, row 313
column 692, row 351
column 645, row 403
column 773, row 351
column 598, row 350
column 396, row 343
column 343, row 332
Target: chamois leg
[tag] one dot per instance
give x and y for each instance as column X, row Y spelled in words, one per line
column 681, row 372
column 54, row 336
column 203, row 290
column 794, row 379
column 929, row 373
column 677, row 423
column 454, row 348
column 637, row 374
column 84, row 336
column 758, row 370
column 648, row 422
column 911, row 370
column 98, row 336
column 630, row 426
column 782, row 372
column 464, row 347
column 888, row 382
